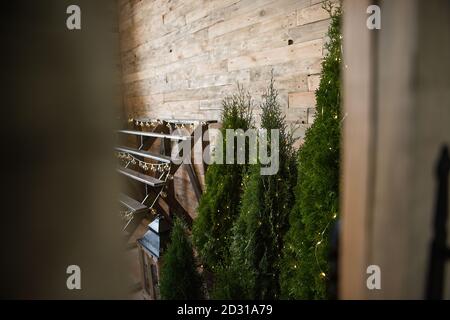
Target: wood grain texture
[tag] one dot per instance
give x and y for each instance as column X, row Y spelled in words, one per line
column 180, row 58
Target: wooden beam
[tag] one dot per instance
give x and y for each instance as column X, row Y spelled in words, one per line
column 194, row 180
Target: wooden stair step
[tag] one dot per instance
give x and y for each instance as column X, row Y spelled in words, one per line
column 155, row 135
column 145, row 154
column 133, row 205
column 151, row 181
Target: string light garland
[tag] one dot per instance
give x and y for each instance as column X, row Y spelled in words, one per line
column 163, row 168
column 154, row 167
column 128, row 215
column 318, row 243
column 338, row 59
column 157, row 122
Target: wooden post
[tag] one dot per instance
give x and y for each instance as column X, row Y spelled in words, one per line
column 396, row 113
column 357, row 156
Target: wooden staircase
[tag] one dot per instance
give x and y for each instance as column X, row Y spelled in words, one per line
column 155, row 170
column 152, row 173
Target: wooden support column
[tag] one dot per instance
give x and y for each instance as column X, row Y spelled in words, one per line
column 396, row 108
column 358, row 127
column 194, row 180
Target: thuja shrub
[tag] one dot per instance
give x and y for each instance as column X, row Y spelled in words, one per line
column 179, row 277
column 258, row 232
column 305, row 266
column 219, row 204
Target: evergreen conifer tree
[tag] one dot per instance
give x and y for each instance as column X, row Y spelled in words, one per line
column 304, row 268
column 218, row 206
column 258, row 232
column 179, row 277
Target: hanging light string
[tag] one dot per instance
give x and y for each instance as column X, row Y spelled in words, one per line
column 318, row 243
column 157, row 122
column 322, row 274
column 162, row 193
column 154, row 167
column 128, row 215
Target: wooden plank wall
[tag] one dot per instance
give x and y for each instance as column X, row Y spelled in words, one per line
column 181, row 57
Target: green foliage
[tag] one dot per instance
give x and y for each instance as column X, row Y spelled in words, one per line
column 179, row 277
column 258, row 232
column 219, row 204
column 317, row 192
